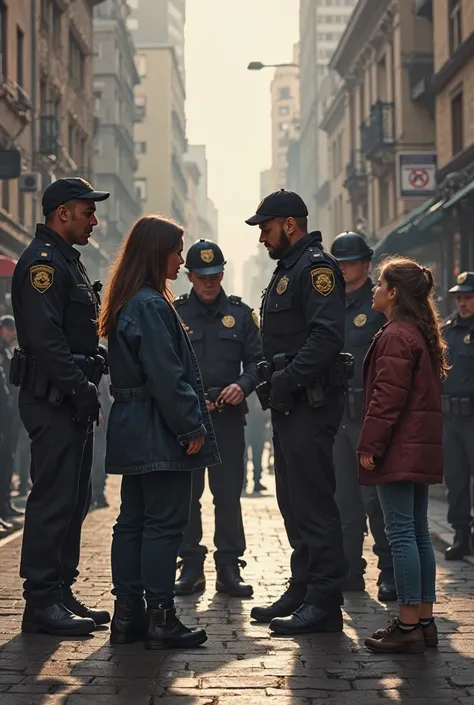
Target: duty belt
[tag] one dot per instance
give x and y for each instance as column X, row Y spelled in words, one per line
column 455, row 407
column 130, row 394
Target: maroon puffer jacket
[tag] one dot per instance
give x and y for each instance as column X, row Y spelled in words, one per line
column 402, row 420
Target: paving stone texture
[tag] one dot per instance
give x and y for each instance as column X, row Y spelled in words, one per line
column 241, row 664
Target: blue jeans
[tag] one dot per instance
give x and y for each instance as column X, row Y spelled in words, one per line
column 405, row 510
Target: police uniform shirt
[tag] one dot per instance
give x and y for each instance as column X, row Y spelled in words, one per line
column 361, row 324
column 459, row 335
column 55, row 308
column 303, row 311
column 225, row 337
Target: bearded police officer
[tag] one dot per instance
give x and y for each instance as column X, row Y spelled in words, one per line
column 458, row 417
column 225, row 337
column 57, row 367
column 303, row 335
column 355, row 502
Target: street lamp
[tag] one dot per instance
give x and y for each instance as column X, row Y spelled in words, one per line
column 258, row 66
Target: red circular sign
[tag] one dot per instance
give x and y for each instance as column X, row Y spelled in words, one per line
column 419, row 178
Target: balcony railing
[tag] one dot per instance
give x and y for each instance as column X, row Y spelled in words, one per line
column 356, row 175
column 424, row 8
column 378, row 132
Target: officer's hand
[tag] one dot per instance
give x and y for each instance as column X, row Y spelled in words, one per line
column 195, row 445
column 367, row 461
column 210, row 405
column 87, row 405
column 280, row 396
column 233, row 394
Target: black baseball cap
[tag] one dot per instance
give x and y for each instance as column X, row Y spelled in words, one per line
column 69, row 189
column 280, row 204
column 464, row 284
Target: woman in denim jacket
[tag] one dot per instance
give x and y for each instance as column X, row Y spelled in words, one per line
column 159, row 430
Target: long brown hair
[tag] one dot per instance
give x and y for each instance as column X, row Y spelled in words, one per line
column 142, row 259
column 414, row 302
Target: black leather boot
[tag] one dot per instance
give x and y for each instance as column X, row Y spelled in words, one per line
column 165, row 631
column 387, row 589
column 461, row 546
column 291, row 599
column 81, row 610
column 55, row 619
column 230, row 581
column 129, row 621
column 191, row 579
column 309, row 619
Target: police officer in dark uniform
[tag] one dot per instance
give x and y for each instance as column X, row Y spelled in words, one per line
column 303, row 336
column 225, row 336
column 458, row 417
column 55, row 307
column 356, row 503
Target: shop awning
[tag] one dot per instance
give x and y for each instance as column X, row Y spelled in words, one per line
column 7, row 266
column 462, row 193
column 406, row 233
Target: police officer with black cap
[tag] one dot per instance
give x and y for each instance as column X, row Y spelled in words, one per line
column 225, row 336
column 57, row 368
column 356, row 503
column 303, row 336
column 458, row 417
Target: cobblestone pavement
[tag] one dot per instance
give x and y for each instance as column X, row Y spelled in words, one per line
column 240, row 664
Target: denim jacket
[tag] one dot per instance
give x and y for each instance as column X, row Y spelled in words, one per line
column 159, row 404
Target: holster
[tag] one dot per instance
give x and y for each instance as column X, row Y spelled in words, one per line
column 457, row 407
column 355, row 404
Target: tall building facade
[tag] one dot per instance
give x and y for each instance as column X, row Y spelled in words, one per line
column 208, row 227
column 285, row 106
column 115, row 163
column 160, row 22
column 46, row 74
column 160, row 133
column 322, row 23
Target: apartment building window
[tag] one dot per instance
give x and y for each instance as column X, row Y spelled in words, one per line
column 457, row 122
column 45, row 11
column 21, row 206
column 141, row 189
column 20, row 57
column 140, row 148
column 57, row 26
column 6, row 195
column 455, row 25
column 3, row 41
column 141, row 64
column 97, row 101
column 285, row 93
column 140, row 108
column 283, row 110
column 76, row 61
column 383, row 201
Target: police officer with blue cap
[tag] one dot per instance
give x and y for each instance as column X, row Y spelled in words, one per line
column 357, row 503
column 225, row 336
column 458, row 417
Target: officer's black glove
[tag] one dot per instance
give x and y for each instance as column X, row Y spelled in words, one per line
column 281, row 397
column 87, row 405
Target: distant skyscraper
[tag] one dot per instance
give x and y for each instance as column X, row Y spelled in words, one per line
column 321, row 28
column 159, row 22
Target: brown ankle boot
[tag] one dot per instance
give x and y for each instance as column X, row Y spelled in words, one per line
column 430, row 633
column 395, row 640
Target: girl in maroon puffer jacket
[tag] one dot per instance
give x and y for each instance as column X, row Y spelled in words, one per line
column 400, row 446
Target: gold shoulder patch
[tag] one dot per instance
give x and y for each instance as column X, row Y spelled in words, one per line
column 255, row 319
column 322, row 279
column 41, row 277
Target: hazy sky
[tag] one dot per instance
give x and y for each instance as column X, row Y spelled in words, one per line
column 228, row 107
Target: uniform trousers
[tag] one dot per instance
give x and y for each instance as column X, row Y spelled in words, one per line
column 458, row 443
column 226, row 482
column 305, row 485
column 61, row 459
column 355, row 503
